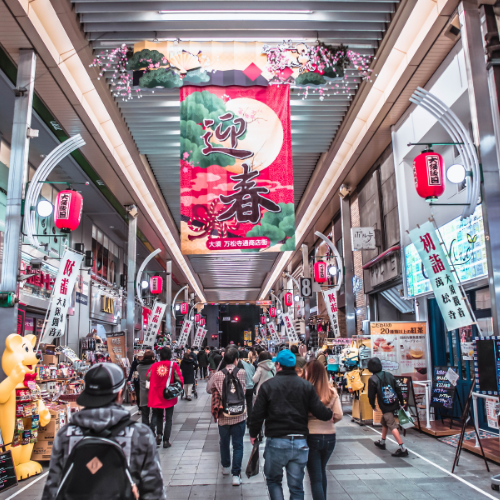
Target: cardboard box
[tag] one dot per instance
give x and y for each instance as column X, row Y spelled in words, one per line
column 50, row 359
column 42, row 450
column 48, row 433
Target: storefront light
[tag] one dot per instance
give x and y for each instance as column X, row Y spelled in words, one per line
column 44, row 208
column 332, row 270
column 144, row 284
column 456, row 173
column 297, row 298
column 177, row 307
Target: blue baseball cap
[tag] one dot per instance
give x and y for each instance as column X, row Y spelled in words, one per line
column 285, row 358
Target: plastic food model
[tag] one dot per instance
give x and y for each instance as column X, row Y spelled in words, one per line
column 18, row 362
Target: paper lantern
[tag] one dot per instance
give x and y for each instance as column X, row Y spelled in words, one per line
column 320, row 275
column 288, row 299
column 156, row 284
column 428, row 175
column 184, row 308
column 272, row 312
column 202, row 321
column 197, row 318
column 145, row 317
column 68, row 210
column 263, row 320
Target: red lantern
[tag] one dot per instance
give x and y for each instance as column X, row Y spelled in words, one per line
column 263, row 320
column 156, row 284
column 145, row 317
column 68, row 210
column 184, row 308
column 197, row 318
column 320, row 272
column 428, row 175
column 272, row 312
column 288, row 299
column 202, row 321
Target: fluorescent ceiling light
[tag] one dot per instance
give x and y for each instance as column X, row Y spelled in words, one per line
column 233, row 11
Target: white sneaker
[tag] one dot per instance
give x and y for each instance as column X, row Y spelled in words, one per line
column 236, row 480
column 226, row 471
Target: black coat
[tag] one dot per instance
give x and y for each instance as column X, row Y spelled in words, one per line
column 285, row 402
column 375, row 387
column 202, row 359
column 216, row 359
column 187, row 369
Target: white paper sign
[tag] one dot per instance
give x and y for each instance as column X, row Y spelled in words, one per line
column 272, row 330
column 452, row 376
column 199, row 337
column 330, row 297
column 69, row 269
column 185, row 331
column 290, row 330
column 363, row 238
column 491, row 413
column 154, row 323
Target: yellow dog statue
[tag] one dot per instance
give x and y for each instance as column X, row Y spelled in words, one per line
column 18, row 360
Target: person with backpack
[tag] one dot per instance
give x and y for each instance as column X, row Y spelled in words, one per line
column 102, row 451
column 265, row 370
column 229, row 410
column 250, row 372
column 382, row 387
column 187, row 369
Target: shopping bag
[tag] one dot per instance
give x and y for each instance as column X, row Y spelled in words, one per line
column 405, row 419
column 253, row 463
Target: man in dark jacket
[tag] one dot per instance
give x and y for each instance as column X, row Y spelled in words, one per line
column 102, row 399
column 203, row 363
column 301, row 362
column 284, row 402
column 382, row 386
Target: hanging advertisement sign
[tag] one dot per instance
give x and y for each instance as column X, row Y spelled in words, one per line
column 448, row 295
column 155, row 319
column 491, row 412
column 236, row 170
column 330, row 298
column 116, row 346
column 263, row 332
column 185, row 331
column 69, row 269
column 199, row 337
column 290, row 330
column 272, row 330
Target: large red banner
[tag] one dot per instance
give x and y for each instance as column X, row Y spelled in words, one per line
column 236, row 170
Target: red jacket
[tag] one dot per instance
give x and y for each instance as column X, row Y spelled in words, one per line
column 158, row 381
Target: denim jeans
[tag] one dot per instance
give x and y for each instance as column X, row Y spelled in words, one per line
column 145, row 411
column 236, row 432
column 292, row 455
column 157, row 422
column 321, row 447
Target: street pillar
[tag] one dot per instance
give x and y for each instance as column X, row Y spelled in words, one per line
column 131, row 258
column 483, row 100
column 23, row 107
column 350, row 299
column 307, row 301
column 168, row 299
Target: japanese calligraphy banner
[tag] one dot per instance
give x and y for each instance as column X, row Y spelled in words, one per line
column 185, row 331
column 155, row 319
column 448, row 295
column 272, row 330
column 330, row 297
column 69, row 269
column 290, row 329
column 199, row 337
column 236, row 170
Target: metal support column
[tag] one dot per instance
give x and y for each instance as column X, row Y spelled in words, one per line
column 131, row 258
column 484, row 136
column 23, row 107
column 307, row 301
column 350, row 299
column 168, row 299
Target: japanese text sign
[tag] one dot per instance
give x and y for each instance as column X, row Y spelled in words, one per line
column 272, row 330
column 330, row 297
column 155, row 319
column 69, row 269
column 236, row 170
column 290, row 329
column 199, row 337
column 448, row 295
column 363, row 238
column 185, row 331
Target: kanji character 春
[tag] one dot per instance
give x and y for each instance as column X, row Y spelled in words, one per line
column 452, row 315
column 224, row 135
column 64, row 286
column 68, row 268
column 428, row 243
column 246, row 200
column 439, row 282
column 446, row 298
column 437, row 263
column 456, row 300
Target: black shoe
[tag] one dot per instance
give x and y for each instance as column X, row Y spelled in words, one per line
column 158, row 439
column 400, row 453
column 380, row 445
column 166, row 444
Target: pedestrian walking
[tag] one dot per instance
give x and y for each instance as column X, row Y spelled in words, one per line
column 322, row 437
column 320, row 356
column 265, row 370
column 382, row 387
column 143, row 396
column 158, row 374
column 231, row 428
column 203, row 363
column 284, row 403
column 187, row 369
column 128, row 455
column 250, row 372
column 300, row 361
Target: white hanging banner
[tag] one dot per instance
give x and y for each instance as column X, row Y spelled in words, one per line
column 185, row 331
column 290, row 330
column 69, row 269
column 330, row 297
column 199, row 337
column 272, row 330
column 155, row 318
column 262, row 329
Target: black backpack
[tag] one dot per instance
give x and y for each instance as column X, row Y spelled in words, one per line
column 233, row 396
column 97, row 468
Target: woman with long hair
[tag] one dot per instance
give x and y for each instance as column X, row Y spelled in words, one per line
column 322, row 437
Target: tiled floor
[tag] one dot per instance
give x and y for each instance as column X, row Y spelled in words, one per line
column 358, row 470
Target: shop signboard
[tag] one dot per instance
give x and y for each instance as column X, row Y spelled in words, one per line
column 453, row 305
column 262, row 329
column 105, row 304
column 330, row 298
column 363, row 238
column 69, row 269
column 82, row 291
column 290, row 330
column 199, row 337
column 236, row 170
column 155, row 319
column 443, row 387
column 116, row 346
column 465, row 241
column 492, row 412
column 272, row 330
column 185, row 331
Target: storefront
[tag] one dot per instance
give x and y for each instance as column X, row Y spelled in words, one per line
column 105, row 309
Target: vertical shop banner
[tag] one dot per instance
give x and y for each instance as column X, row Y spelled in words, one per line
column 330, row 297
column 185, row 331
column 290, row 330
column 199, row 337
column 236, row 170
column 155, row 319
column 69, row 269
column 263, row 334
column 448, row 295
column 272, row 330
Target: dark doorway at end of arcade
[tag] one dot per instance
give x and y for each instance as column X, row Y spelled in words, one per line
column 234, row 320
